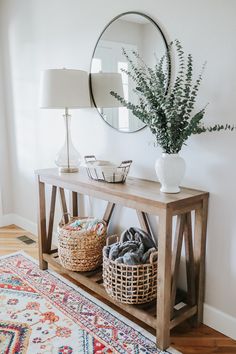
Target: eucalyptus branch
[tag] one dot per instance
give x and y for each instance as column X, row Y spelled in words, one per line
column 167, row 111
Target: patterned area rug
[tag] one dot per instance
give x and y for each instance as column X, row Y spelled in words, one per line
column 42, row 313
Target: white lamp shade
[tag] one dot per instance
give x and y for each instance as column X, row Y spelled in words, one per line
column 102, row 84
column 64, row 88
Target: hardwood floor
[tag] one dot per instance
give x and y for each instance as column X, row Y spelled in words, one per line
column 188, row 340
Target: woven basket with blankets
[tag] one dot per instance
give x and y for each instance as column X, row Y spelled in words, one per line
column 130, row 267
column 80, row 243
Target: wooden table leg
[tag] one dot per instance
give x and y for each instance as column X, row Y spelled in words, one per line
column 51, row 218
column 108, row 212
column 199, row 255
column 144, row 223
column 164, row 279
column 63, row 204
column 74, row 203
column 42, row 229
column 176, row 255
column 189, row 255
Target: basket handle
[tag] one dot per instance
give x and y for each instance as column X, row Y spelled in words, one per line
column 65, row 218
column 112, row 239
column 153, row 257
column 125, row 163
column 89, row 158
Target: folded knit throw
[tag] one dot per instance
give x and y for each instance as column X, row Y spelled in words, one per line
column 135, row 247
column 87, row 224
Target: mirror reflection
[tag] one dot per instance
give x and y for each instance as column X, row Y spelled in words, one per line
column 133, row 32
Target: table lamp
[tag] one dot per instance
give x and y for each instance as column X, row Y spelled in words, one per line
column 65, row 89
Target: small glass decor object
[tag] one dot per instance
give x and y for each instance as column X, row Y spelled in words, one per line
column 106, row 171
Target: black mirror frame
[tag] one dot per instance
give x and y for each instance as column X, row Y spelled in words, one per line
column 169, row 61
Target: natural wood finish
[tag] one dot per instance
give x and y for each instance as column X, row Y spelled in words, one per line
column 144, row 223
column 178, row 241
column 164, row 279
column 186, row 207
column 200, row 255
column 145, row 197
column 189, row 260
column 74, row 203
column 135, row 193
column 95, row 276
column 184, row 313
column 51, row 217
column 202, row 340
column 63, row 204
column 108, row 212
column 42, row 227
column 9, row 243
column 186, row 339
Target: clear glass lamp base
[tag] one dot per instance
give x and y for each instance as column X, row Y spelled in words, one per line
column 68, row 159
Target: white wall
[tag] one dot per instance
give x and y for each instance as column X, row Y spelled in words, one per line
column 117, row 32
column 53, row 34
column 5, row 179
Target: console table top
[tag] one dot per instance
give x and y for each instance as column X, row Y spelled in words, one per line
column 138, row 190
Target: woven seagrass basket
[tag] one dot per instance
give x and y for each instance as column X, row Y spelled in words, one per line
column 130, row 284
column 80, row 250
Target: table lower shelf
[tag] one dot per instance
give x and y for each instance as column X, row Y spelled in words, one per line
column 93, row 281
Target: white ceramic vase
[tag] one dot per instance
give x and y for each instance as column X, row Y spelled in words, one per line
column 170, row 169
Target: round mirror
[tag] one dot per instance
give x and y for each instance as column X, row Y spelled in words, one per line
column 131, row 31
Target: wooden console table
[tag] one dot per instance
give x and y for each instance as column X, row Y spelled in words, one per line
column 145, row 197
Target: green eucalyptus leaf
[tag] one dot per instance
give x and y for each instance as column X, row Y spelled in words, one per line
column 167, row 112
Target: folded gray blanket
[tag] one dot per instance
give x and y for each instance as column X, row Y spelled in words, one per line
column 136, row 234
column 135, row 247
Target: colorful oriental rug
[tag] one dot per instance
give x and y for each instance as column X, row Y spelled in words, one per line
column 42, row 313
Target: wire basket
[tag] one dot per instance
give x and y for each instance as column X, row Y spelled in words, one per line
column 130, row 284
column 105, row 171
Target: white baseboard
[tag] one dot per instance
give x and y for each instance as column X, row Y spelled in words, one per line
column 6, row 220
column 213, row 317
column 220, row 321
column 18, row 220
column 25, row 224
